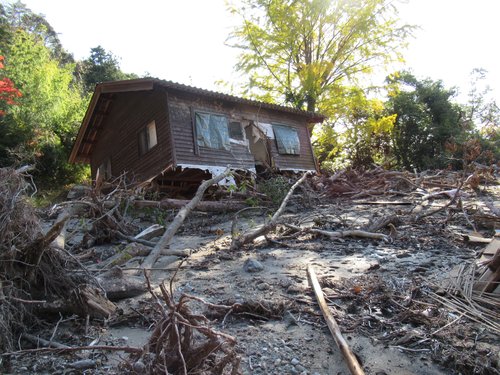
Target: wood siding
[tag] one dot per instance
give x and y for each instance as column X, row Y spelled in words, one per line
column 180, row 109
column 119, row 138
column 181, row 105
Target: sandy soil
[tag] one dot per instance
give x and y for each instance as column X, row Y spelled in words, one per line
column 377, row 291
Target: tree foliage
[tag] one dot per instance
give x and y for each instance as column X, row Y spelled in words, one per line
column 426, row 121
column 101, row 66
column 40, row 129
column 302, row 51
column 8, row 92
column 363, row 133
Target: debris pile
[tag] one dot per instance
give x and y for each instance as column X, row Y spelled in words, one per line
column 182, row 342
column 34, row 276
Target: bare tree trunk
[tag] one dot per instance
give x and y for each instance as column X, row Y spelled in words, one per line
column 179, row 219
column 252, row 235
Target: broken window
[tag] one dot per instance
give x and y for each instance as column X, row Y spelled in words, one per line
column 212, row 131
column 235, row 131
column 287, row 140
column 147, row 138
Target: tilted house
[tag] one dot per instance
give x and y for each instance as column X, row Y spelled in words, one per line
column 178, row 134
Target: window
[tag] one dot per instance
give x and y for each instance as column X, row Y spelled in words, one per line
column 212, row 131
column 235, row 131
column 287, row 140
column 147, row 138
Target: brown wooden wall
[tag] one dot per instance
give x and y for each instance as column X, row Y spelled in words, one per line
column 119, row 138
column 181, row 106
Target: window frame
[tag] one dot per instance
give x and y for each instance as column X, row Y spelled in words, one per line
column 196, row 133
column 146, row 139
column 278, row 148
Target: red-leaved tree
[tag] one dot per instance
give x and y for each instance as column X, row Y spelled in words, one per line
column 8, row 92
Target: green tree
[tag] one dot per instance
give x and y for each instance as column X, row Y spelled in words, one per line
column 302, row 51
column 427, row 120
column 101, row 66
column 363, row 134
column 41, row 128
column 18, row 16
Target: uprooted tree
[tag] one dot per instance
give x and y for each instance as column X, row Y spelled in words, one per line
column 35, row 271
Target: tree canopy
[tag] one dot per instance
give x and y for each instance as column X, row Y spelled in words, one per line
column 301, row 51
column 41, row 127
column 101, row 66
column 426, row 120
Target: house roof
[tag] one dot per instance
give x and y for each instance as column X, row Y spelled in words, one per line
column 99, row 104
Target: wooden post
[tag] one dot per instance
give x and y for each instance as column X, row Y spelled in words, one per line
column 352, row 361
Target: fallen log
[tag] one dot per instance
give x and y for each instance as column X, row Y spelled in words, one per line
column 84, row 300
column 164, row 241
column 206, row 206
column 342, row 233
column 248, row 237
column 152, row 231
column 352, row 361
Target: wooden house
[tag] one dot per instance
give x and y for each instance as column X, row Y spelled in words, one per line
column 178, row 134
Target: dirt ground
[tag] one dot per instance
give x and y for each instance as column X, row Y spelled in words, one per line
column 379, row 292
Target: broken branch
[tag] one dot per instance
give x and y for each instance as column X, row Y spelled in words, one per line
column 252, row 235
column 352, row 361
column 179, row 219
column 342, row 233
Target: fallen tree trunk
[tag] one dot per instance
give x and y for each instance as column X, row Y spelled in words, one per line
column 342, row 233
column 352, row 361
column 206, row 206
column 252, row 235
column 179, row 219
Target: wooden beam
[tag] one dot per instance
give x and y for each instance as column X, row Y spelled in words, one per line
column 352, row 361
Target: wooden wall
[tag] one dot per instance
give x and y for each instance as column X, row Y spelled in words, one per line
column 181, row 106
column 119, row 138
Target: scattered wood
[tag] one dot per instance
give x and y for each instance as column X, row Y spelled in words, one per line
column 206, row 206
column 248, row 237
column 352, row 361
column 489, row 278
column 183, row 343
column 126, row 349
column 152, row 231
column 130, row 251
column 383, row 222
column 164, row 241
column 342, row 233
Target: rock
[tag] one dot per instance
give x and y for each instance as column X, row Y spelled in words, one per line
column 252, row 265
column 294, row 361
column 263, row 286
column 84, row 364
column 78, row 191
column 300, row 368
column 139, row 367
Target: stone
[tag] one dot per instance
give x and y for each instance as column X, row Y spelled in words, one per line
column 263, row 286
column 252, row 265
column 79, row 191
column 294, row 361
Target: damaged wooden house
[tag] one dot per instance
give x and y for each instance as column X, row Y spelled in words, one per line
column 179, row 135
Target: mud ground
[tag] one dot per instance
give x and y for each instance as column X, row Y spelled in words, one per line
column 364, row 281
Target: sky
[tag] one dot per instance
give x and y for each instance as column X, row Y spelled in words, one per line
column 184, row 40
